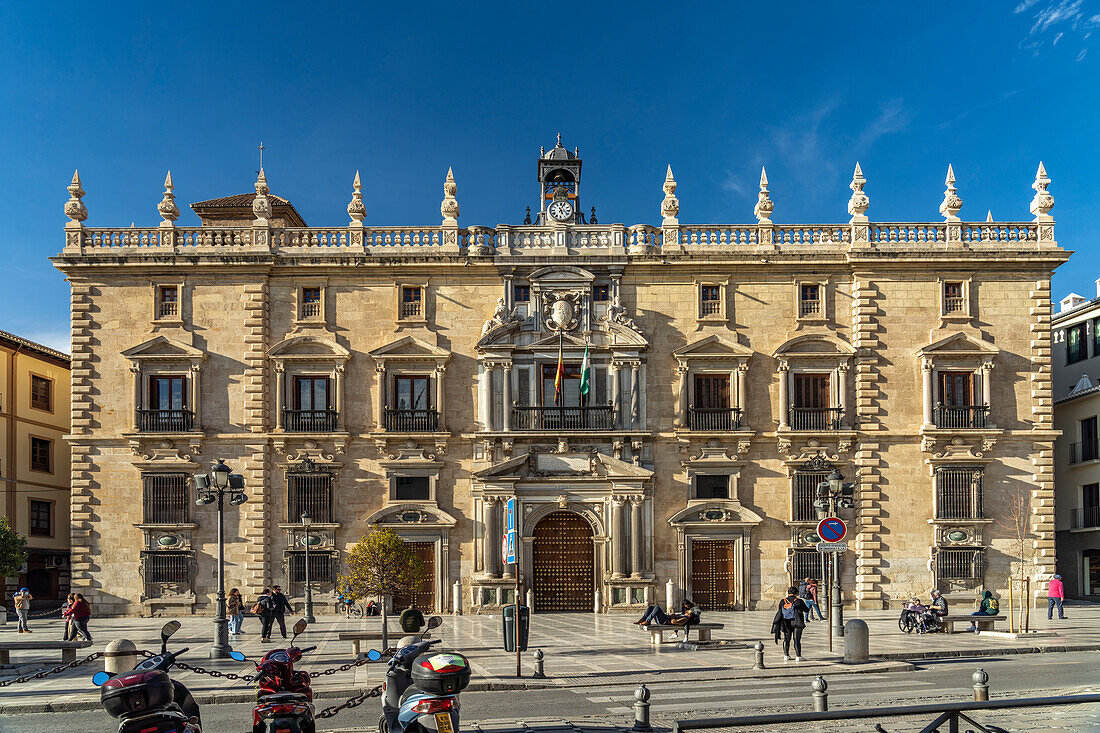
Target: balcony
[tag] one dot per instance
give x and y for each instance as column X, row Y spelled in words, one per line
column 714, row 418
column 412, row 421
column 310, row 421
column 815, row 418
column 599, row 417
column 165, row 421
column 1083, row 451
column 962, row 416
column 1086, row 518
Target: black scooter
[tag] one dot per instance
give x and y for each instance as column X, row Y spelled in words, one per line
column 146, row 699
column 420, row 693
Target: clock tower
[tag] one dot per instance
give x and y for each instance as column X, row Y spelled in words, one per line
column 560, row 185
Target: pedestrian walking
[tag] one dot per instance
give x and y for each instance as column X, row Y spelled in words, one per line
column 282, row 605
column 67, row 614
column 22, row 607
column 789, row 621
column 82, row 611
column 1056, row 593
column 234, row 606
column 807, row 591
column 265, row 609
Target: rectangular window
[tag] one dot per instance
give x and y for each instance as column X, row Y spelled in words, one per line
column 412, row 488
column 309, row 493
column 312, row 406
column 953, row 298
column 1076, row 348
column 601, row 293
column 166, row 498
column 710, row 300
column 804, row 494
column 166, row 393
column 1089, row 445
column 168, row 305
column 811, row 391
column 570, row 387
column 40, row 518
column 320, row 567
column 412, row 393
column 807, row 564
column 311, row 393
column 1089, row 513
column 311, row 303
column 712, row 487
column 40, row 454
column 522, row 293
column 959, row 564
column 956, row 389
column 711, row 408
column 959, row 493
column 522, row 396
column 411, row 302
column 809, row 300
column 41, row 393
column 166, row 573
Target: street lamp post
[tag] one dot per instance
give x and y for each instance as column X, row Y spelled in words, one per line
column 214, row 487
column 832, row 495
column 306, row 521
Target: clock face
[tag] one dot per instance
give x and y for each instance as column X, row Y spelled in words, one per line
column 561, row 210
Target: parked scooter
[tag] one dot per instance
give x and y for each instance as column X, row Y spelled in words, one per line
column 421, row 689
column 146, row 699
column 284, row 698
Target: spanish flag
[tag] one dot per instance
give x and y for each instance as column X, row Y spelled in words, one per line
column 559, row 377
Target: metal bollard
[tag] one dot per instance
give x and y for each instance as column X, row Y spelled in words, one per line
column 539, row 672
column 821, row 696
column 981, row 689
column 641, row 709
column 759, row 663
column 856, row 642
column 119, row 656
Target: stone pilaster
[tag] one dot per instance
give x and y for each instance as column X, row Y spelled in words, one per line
column 1042, row 457
column 255, row 356
column 258, row 526
column 866, row 341
column 81, row 467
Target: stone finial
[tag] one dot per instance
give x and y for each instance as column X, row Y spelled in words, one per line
column 449, row 206
column 74, row 207
column 1043, row 201
column 261, row 205
column 989, row 216
column 356, row 209
column 764, row 206
column 952, row 204
column 167, row 206
column 859, row 202
column 670, row 206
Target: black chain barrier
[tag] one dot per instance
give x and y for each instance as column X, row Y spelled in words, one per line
column 47, row 672
column 45, row 613
column 351, row 702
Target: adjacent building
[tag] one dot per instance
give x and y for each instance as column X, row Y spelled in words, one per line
column 660, row 400
column 34, row 465
column 1076, row 355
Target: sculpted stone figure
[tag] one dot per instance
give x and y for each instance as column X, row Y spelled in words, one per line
column 616, row 313
column 501, row 317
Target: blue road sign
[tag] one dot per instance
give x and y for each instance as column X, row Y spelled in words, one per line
column 510, row 515
column 509, row 550
column 831, row 529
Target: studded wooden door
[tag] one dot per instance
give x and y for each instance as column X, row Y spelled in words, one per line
column 423, row 598
column 562, row 558
column 714, row 575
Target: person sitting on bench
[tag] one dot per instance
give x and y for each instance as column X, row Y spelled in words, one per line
column 654, row 614
column 988, row 607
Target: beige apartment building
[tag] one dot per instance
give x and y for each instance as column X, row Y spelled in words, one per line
column 34, row 465
column 409, row 377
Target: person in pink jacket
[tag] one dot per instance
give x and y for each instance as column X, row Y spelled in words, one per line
column 1055, row 594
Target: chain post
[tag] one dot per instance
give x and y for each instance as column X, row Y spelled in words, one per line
column 641, row 709
column 981, row 686
column 759, row 649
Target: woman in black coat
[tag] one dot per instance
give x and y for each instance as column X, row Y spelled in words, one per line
column 790, row 620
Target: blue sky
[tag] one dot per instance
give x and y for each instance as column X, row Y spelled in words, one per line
column 401, row 91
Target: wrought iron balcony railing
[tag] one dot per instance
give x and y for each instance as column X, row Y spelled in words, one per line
column 412, row 421
column 962, row 416
column 310, row 421
column 165, row 421
column 714, row 418
column 1086, row 517
column 1086, row 450
column 816, row 418
column 598, row 417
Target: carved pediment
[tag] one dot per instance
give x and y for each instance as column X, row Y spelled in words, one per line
column 712, row 348
column 814, row 345
column 412, row 515
column 410, row 348
column 568, row 341
column 312, row 347
column 164, row 349
column 561, row 275
column 538, row 465
column 959, row 345
column 718, row 513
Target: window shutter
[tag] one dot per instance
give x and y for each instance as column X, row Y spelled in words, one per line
column 523, row 386
column 600, row 379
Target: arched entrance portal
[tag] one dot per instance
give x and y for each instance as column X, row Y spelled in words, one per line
column 562, row 557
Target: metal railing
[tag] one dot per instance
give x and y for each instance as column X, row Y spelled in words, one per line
column 165, row 421
column 816, row 418
column 599, row 417
column 714, row 418
column 1083, row 451
column 310, row 421
column 412, row 421
column 958, row 493
column 962, row 416
column 1086, row 517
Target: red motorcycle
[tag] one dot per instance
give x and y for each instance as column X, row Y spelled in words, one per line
column 284, row 698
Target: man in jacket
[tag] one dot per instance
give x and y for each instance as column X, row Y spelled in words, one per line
column 23, row 606
column 1056, row 593
column 265, row 609
column 281, row 605
column 790, row 620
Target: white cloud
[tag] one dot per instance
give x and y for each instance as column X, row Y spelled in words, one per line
column 1053, row 14
column 1081, row 53
column 891, row 118
column 1024, row 5
column 1058, row 17
column 1057, row 38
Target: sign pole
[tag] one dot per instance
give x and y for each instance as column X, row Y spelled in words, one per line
column 829, row 566
column 519, row 670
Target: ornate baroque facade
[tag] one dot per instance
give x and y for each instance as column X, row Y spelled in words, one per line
column 405, row 376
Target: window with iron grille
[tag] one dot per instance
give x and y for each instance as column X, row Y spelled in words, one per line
column 959, row 493
column 311, row 302
column 41, row 393
column 41, row 512
column 321, row 566
column 309, row 493
column 804, row 493
column 166, row 572
column 809, row 300
column 960, row 563
column 411, row 302
column 710, row 300
column 168, row 305
column 806, row 563
column 40, row 454
column 165, row 498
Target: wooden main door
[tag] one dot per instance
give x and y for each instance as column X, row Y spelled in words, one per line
column 423, row 598
column 714, row 574
column 562, row 558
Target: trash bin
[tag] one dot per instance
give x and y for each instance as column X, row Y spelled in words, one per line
column 510, row 627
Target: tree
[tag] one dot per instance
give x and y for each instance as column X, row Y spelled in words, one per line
column 1017, row 521
column 13, row 551
column 381, row 564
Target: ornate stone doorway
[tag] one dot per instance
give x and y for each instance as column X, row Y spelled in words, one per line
column 714, row 574
column 563, row 560
column 423, row 598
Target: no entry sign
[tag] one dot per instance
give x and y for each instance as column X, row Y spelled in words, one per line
column 831, row 529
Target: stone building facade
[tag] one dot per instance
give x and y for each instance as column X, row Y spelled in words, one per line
column 408, row 377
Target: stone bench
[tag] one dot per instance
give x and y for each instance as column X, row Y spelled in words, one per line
column 68, row 648
column 657, row 631
column 985, row 623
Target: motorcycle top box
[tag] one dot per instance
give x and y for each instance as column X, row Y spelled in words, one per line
column 441, row 673
column 136, row 692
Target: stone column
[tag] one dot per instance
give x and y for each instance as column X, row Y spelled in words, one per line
column 136, row 371
column 489, row 541
column 380, row 407
column 506, row 397
column 616, row 392
column 616, row 538
column 987, row 383
column 441, row 398
column 742, row 387
column 926, row 397
column 338, row 396
column 196, row 397
column 680, row 419
column 484, row 395
column 784, row 397
column 635, row 396
column 842, row 394
column 636, row 536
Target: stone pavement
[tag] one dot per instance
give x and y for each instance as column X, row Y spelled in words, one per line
column 582, row 650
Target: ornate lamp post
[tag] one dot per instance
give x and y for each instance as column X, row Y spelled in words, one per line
column 214, row 487
column 834, row 494
column 306, row 521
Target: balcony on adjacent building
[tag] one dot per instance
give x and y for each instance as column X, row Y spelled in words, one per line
column 165, row 421
column 962, row 416
column 714, row 418
column 816, row 418
column 597, row 417
column 1084, row 451
column 412, row 421
column 1086, row 517
column 310, row 421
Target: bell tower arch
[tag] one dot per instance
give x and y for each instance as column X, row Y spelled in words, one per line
column 560, row 185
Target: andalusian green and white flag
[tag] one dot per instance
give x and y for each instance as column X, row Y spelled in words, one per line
column 586, row 374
